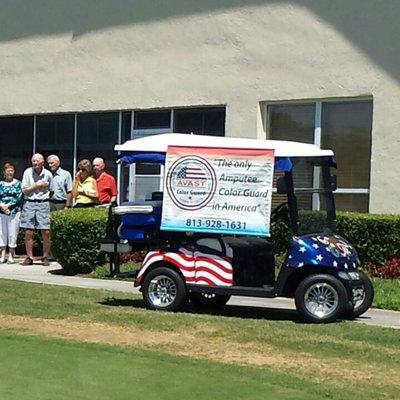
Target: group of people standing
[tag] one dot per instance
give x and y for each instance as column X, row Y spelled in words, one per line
column 28, row 203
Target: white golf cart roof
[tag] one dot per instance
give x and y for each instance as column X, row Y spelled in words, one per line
column 159, row 143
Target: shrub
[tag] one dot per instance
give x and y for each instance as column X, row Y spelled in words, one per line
column 376, row 237
column 135, row 256
column 101, row 272
column 75, row 238
column 391, row 269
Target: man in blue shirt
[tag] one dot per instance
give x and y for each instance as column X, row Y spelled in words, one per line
column 62, row 185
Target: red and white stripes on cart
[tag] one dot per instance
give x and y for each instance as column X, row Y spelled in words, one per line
column 196, row 267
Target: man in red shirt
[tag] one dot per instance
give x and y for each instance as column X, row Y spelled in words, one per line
column 106, row 185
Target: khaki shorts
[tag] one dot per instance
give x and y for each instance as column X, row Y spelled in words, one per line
column 35, row 215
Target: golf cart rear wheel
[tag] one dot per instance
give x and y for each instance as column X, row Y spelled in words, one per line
column 363, row 297
column 209, row 300
column 164, row 289
column 321, row 298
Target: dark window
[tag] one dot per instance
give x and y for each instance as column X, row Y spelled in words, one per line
column 147, row 169
column 16, row 135
column 202, row 121
column 152, row 119
column 55, row 135
column 96, row 137
column 126, row 126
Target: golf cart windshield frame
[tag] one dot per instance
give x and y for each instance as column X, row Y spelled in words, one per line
column 326, row 191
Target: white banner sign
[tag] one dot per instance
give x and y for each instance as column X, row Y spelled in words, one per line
column 218, row 190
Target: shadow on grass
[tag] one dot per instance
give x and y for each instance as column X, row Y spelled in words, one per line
column 267, row 313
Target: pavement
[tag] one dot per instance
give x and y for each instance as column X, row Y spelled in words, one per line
column 250, row 307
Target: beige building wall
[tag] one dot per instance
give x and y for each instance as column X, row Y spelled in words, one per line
column 65, row 56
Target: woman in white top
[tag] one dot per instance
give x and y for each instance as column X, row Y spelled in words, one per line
column 10, row 211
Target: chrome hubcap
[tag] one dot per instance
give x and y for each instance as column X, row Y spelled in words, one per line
column 162, row 291
column 321, row 300
column 358, row 297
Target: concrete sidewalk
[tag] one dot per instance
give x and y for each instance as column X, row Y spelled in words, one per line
column 50, row 275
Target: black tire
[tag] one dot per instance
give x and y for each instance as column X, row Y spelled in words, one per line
column 362, row 305
column 208, row 300
column 321, row 298
column 164, row 289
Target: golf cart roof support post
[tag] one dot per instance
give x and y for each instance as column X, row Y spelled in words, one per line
column 329, row 198
column 292, row 200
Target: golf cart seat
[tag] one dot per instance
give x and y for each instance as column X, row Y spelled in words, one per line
column 138, row 221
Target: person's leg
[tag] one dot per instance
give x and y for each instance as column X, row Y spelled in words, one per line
column 3, row 237
column 29, row 242
column 28, row 223
column 13, row 228
column 43, row 223
column 46, row 242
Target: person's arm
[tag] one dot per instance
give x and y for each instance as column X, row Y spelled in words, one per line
column 114, row 191
column 3, row 206
column 92, row 191
column 28, row 189
column 37, row 185
column 68, row 188
column 76, row 184
column 50, row 184
column 68, row 203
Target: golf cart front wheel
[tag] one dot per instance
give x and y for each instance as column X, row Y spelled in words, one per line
column 164, row 289
column 362, row 297
column 321, row 298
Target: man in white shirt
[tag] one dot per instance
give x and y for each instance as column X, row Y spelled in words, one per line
column 36, row 187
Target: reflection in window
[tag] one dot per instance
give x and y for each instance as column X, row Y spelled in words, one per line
column 294, row 122
column 291, row 122
column 342, row 126
column 346, row 127
column 97, row 134
column 145, row 186
column 352, row 202
column 17, row 142
column 55, row 135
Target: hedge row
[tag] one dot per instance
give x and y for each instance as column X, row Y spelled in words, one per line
column 76, row 235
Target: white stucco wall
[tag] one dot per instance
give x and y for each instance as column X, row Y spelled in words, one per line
column 67, row 56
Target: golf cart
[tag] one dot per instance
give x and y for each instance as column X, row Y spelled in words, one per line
column 207, row 236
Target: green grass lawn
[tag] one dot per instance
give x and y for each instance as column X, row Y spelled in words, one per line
column 339, row 361
column 387, row 294
column 35, row 368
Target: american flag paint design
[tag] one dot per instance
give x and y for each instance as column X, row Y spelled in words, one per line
column 191, row 172
column 196, row 267
column 330, row 250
